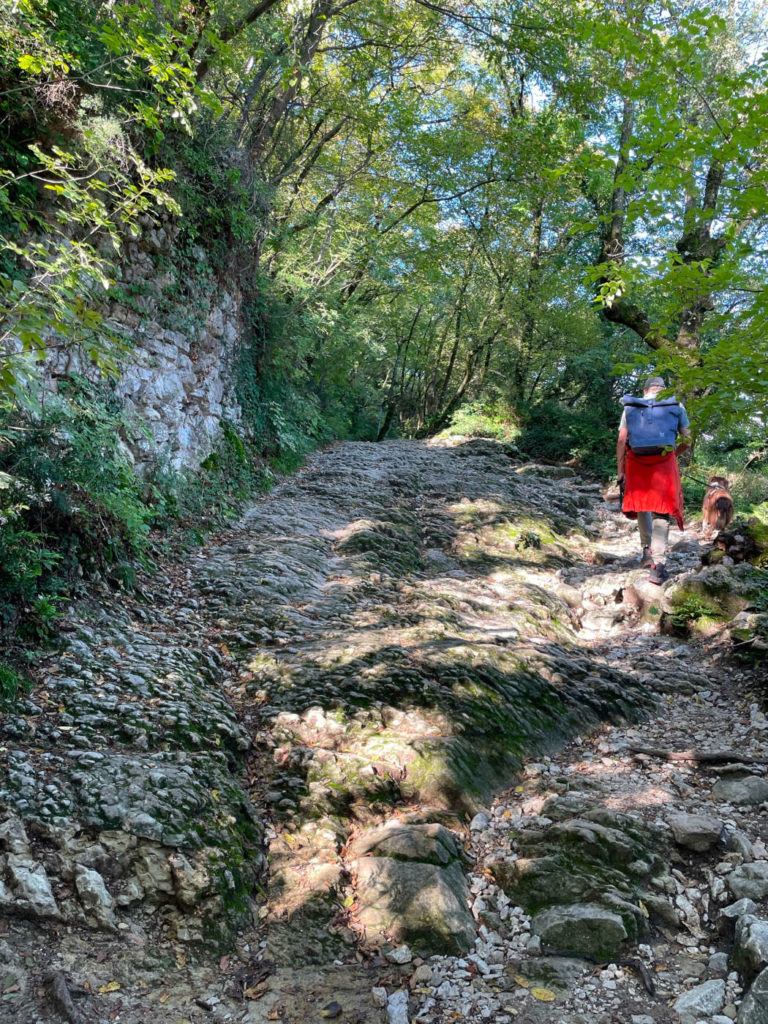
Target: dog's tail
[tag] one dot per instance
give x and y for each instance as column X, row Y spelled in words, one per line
column 723, row 512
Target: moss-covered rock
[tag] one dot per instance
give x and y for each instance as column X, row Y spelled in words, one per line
column 600, row 858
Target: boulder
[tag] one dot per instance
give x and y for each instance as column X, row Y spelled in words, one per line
column 582, row 928
column 749, row 881
column 701, row 1001
column 736, row 910
column 13, row 838
column 414, row 902
column 751, row 790
column 411, row 888
column 191, row 881
column 30, row 888
column 696, row 832
column 95, row 897
column 430, row 843
column 754, row 1006
column 750, row 951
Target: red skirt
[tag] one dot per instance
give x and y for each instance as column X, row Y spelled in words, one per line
column 652, row 484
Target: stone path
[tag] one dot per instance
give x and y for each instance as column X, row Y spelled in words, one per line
column 263, row 789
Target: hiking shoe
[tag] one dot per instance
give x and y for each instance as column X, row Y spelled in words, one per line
column 658, row 574
column 646, row 559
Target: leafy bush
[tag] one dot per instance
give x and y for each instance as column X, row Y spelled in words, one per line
column 690, row 609
column 748, row 488
column 560, row 433
column 481, row 420
column 12, row 683
column 71, row 504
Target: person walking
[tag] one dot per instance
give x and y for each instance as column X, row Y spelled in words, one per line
column 646, row 462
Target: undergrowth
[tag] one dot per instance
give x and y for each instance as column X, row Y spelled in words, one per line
column 480, row 420
column 74, row 510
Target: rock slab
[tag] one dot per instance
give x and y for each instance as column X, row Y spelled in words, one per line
column 754, row 1007
column 749, row 881
column 411, row 888
column 581, row 928
column 700, row 1001
column 698, row 832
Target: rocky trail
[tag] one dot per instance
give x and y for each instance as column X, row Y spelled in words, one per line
column 416, row 741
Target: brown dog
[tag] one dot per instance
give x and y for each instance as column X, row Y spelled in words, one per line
column 717, row 507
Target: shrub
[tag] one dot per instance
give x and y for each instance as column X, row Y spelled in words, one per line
column 559, row 433
column 12, row 684
column 481, row 420
column 71, row 504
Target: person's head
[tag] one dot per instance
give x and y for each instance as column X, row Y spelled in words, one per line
column 653, row 386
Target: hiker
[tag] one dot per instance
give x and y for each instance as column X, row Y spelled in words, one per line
column 646, row 460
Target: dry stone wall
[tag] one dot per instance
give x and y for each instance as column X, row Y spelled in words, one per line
column 177, row 379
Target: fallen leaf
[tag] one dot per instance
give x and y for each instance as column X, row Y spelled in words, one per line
column 181, row 960
column 544, row 995
column 256, row 991
column 521, row 981
column 215, row 795
column 164, row 997
column 111, row 986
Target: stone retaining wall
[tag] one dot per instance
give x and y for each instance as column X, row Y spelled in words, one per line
column 183, row 327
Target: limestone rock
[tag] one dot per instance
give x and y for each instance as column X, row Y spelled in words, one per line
column 414, row 902
column 736, row 910
column 30, row 888
column 750, row 952
column 751, row 790
column 749, row 880
column 553, row 472
column 13, row 838
column 754, row 1006
column 696, row 832
column 581, row 927
column 191, row 881
column 153, row 871
column 397, row 1007
column 429, row 843
column 94, row 896
column 701, row 1001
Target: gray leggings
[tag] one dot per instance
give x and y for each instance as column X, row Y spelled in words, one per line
column 654, row 533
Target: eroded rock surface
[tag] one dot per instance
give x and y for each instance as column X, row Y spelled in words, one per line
column 235, row 795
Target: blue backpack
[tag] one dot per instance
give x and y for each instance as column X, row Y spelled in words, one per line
column 652, row 425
